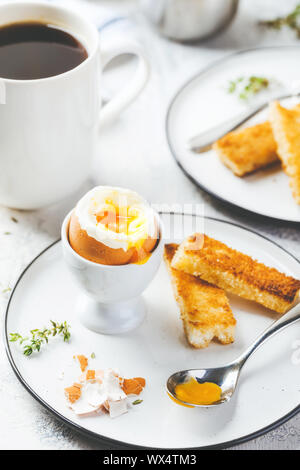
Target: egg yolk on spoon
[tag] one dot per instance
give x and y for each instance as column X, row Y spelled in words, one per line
column 198, row 393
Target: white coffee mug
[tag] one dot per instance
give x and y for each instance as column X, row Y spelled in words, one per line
column 49, row 126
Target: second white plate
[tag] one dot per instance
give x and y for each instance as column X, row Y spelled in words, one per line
column 268, row 392
column 203, row 103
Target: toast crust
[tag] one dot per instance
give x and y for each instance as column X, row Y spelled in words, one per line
column 247, row 150
column 204, row 308
column 237, row 273
column 286, row 130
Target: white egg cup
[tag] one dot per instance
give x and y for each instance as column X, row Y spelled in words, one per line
column 110, row 301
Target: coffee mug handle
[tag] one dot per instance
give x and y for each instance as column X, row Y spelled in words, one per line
column 129, row 92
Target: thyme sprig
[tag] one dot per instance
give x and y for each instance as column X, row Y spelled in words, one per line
column 291, row 21
column 245, row 87
column 38, row 337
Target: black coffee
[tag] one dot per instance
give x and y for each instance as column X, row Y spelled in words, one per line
column 32, row 50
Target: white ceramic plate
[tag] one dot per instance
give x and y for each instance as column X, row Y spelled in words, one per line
column 268, row 393
column 203, row 103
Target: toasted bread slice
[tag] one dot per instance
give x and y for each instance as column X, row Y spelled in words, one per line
column 205, row 310
column 286, row 130
column 237, row 273
column 247, row 150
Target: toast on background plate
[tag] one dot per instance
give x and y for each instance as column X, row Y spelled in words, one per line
column 237, row 273
column 204, row 308
column 286, row 130
column 247, row 150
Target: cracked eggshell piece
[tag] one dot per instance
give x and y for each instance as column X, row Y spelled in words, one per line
column 117, row 408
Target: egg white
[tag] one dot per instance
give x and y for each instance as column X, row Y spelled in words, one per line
column 96, row 200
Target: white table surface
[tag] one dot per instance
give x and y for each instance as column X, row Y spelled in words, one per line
column 133, row 152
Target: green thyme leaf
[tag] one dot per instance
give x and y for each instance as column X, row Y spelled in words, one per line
column 27, row 350
column 232, row 85
column 15, row 337
column 93, row 355
column 137, row 402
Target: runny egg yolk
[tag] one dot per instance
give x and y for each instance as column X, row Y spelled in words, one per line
column 119, row 219
column 127, row 220
column 114, row 218
column 114, row 221
column 198, row 393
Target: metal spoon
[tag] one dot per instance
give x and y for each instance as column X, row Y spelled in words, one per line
column 227, row 376
column 203, row 141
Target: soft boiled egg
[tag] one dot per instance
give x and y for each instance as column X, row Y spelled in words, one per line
column 113, row 226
